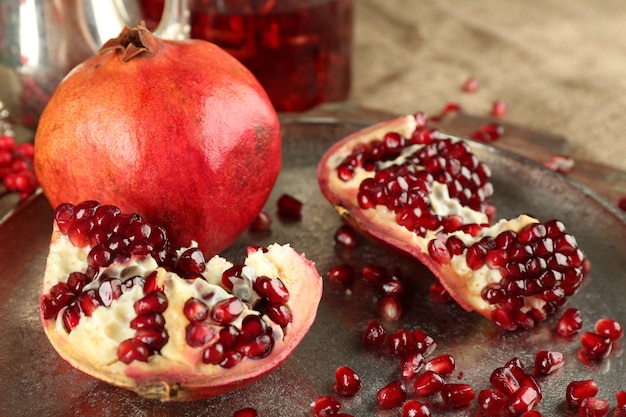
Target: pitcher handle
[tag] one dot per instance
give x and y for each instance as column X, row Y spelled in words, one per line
column 174, row 22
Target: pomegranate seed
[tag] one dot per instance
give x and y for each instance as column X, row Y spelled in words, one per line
column 499, row 108
column 110, row 290
column 621, row 203
column 195, row 310
column 593, row 407
column 71, row 318
column 422, row 342
column 347, row 382
column 523, row 400
column 620, row 396
column 373, row 274
column 261, row 222
column 374, row 334
column 325, row 406
column 414, row 408
column 289, row 207
column 273, row 289
column 504, row 381
column 437, row 292
column 570, row 322
column 341, row 274
column 428, row 383
column 410, row 365
column 492, row 402
column 596, row 346
column 560, row 163
column 231, row 359
column 153, row 339
column 394, row 286
column 547, row 362
column 148, row 321
column 252, row 326
column 391, row 395
column 199, row 334
column 132, row 349
column 213, row 354
column 227, row 310
column 577, row 391
column 609, row 328
column 532, row 413
column 457, row 395
column 279, row 314
column 49, row 307
column 257, row 348
column 153, row 302
column 390, row 308
column 191, row 261
column 399, row 342
column 470, row 85
column 246, row 412
column 88, row 302
column 439, row 252
column 442, row 364
column 345, row 236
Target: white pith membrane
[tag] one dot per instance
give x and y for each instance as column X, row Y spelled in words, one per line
column 176, row 371
column 381, row 223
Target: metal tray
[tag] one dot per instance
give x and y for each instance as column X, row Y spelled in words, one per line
column 34, row 381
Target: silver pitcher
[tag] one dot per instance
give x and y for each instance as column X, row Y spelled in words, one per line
column 42, row 40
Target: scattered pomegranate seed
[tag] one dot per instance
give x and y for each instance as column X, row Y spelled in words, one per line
column 373, row 274
column 499, row 108
column 504, row 381
column 374, row 334
column 414, row 408
column 488, row 133
column 547, row 362
column 437, row 292
column 470, row 85
column 523, row 400
column 400, row 342
column 342, row 275
column 391, row 395
column 457, row 395
column 246, row 412
column 428, row 383
column 443, row 364
column 390, row 308
column 347, row 382
column 620, row 396
column 492, row 402
column 596, row 346
column 609, row 328
column 593, row 407
column 422, row 342
column 577, row 391
column 570, row 322
column 451, row 108
column 261, row 222
column 289, row 207
column 410, row 365
column 345, row 236
column 326, row 406
column 560, row 163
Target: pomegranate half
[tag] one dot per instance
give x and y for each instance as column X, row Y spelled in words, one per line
column 427, row 194
column 176, row 130
column 120, row 304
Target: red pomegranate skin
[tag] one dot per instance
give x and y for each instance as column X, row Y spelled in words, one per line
column 180, row 132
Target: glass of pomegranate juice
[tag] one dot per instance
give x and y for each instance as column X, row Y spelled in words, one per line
column 299, row 50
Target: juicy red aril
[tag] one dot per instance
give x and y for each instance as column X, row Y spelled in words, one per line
column 191, row 262
column 246, row 412
column 593, row 407
column 325, row 406
column 195, row 310
column 410, row 365
column 374, row 334
column 71, row 317
column 570, row 322
column 391, row 395
column 595, row 345
column 428, row 383
column 577, row 391
column 109, row 290
column 347, row 382
column 414, row 408
column 341, row 274
column 256, row 348
column 399, row 342
column 439, row 251
column 288, row 206
column 547, row 362
column 390, row 308
column 154, row 302
column 373, row 274
column 345, row 236
column 443, row 364
column 252, row 326
column 227, row 310
column 491, row 402
column 272, row 289
column 89, row 301
column 261, row 222
column 504, row 381
column 213, row 354
column 422, row 342
column 199, row 334
column 609, row 328
column 231, row 359
column 133, row 349
column 148, row 321
column 153, row 339
column 499, row 108
column 437, row 292
column 457, row 395
column 470, row 85
column 279, row 314
column 523, row 400
column 620, row 396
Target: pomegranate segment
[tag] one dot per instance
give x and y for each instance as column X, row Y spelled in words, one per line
column 428, row 195
column 155, row 313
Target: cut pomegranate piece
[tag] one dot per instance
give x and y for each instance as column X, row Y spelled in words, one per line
column 164, row 322
column 429, row 197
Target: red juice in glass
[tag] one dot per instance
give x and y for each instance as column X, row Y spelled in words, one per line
column 299, row 50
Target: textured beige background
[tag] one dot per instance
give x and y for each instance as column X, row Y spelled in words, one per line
column 559, row 65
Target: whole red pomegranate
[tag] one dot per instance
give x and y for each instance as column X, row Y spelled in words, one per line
column 118, row 302
column 176, row 130
column 427, row 194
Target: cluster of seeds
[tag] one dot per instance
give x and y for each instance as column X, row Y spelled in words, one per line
column 16, row 161
column 113, row 239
